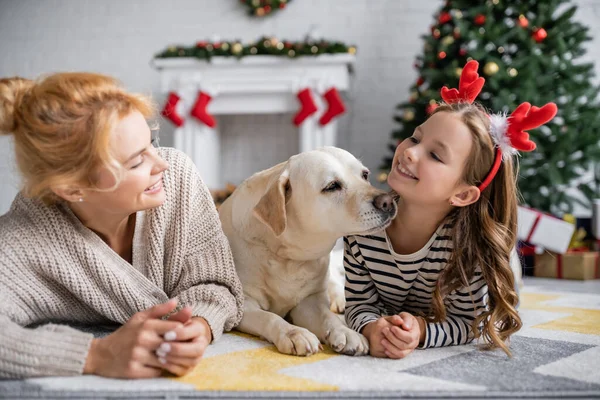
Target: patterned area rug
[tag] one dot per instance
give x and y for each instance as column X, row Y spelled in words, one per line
column 556, row 354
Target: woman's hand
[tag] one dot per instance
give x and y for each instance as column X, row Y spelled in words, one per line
column 129, row 352
column 186, row 346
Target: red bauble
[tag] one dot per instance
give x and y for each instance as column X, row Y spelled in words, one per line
column 523, row 22
column 217, row 45
column 430, row 108
column 201, row 44
column 420, row 81
column 479, row 19
column 442, row 55
column 267, row 9
column 444, row 17
column 436, row 33
column 281, row 5
column 462, row 52
column 539, row 35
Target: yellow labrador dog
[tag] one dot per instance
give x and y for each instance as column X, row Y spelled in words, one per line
column 282, row 224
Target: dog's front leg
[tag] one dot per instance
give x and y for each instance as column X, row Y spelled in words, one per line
column 288, row 339
column 313, row 313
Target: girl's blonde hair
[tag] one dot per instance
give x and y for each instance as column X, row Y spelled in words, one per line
column 484, row 235
column 62, row 125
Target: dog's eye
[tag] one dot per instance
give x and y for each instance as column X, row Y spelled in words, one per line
column 365, row 175
column 333, row 186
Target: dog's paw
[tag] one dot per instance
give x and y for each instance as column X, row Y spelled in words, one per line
column 298, row 341
column 346, row 341
column 337, row 301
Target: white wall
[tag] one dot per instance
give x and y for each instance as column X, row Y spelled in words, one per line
column 119, row 37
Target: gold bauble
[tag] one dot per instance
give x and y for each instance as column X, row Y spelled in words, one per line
column 458, row 14
column 253, row 50
column 237, row 48
column 225, row 46
column 256, row 3
column 260, row 11
column 458, row 71
column 209, row 47
column 491, row 68
column 314, row 49
column 447, row 40
column 513, row 72
column 291, row 53
column 352, row 50
column 280, row 46
column 408, row 115
column 382, row 177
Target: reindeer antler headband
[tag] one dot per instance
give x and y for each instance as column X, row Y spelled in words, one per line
column 508, row 133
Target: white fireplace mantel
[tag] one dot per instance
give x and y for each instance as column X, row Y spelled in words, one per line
column 250, row 85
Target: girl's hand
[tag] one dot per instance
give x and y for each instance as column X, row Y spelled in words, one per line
column 373, row 331
column 186, row 346
column 129, row 352
column 404, row 336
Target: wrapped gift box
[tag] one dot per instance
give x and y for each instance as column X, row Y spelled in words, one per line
column 544, row 230
column 581, row 265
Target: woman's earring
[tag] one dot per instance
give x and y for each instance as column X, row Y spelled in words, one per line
column 80, row 199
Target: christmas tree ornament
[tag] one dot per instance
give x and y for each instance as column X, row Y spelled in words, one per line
column 200, row 112
column 431, row 108
column 479, row 19
column 539, row 35
column 307, row 106
column 462, row 52
column 442, row 55
column 444, row 17
column 169, row 111
column 458, row 71
column 436, row 33
column 420, row 81
column 456, row 33
column 491, row 68
column 413, row 97
column 447, row 40
column 512, row 72
column 335, row 106
column 382, row 177
column 523, row 22
column 408, row 115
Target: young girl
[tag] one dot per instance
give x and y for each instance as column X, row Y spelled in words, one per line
column 439, row 275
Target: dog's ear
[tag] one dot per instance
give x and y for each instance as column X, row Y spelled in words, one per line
column 270, row 209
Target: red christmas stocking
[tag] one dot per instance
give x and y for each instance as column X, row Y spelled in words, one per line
column 169, row 111
column 335, row 106
column 199, row 110
column 308, row 106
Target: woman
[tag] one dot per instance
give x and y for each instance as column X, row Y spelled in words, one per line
column 106, row 229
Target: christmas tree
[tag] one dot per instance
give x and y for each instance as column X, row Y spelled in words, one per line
column 528, row 50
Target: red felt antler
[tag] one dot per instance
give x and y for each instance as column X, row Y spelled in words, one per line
column 469, row 85
column 527, row 117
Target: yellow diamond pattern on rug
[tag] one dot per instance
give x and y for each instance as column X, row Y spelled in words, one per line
column 580, row 321
column 255, row 369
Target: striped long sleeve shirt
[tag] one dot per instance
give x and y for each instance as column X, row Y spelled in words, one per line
column 381, row 282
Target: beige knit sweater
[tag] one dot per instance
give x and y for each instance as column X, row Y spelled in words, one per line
column 54, row 269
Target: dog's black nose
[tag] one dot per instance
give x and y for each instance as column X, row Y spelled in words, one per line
column 383, row 202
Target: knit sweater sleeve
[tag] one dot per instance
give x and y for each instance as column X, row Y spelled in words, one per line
column 208, row 282
column 50, row 350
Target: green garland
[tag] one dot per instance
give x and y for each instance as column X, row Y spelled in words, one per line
column 264, row 46
column 260, row 8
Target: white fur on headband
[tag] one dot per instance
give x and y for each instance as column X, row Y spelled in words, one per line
column 498, row 129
